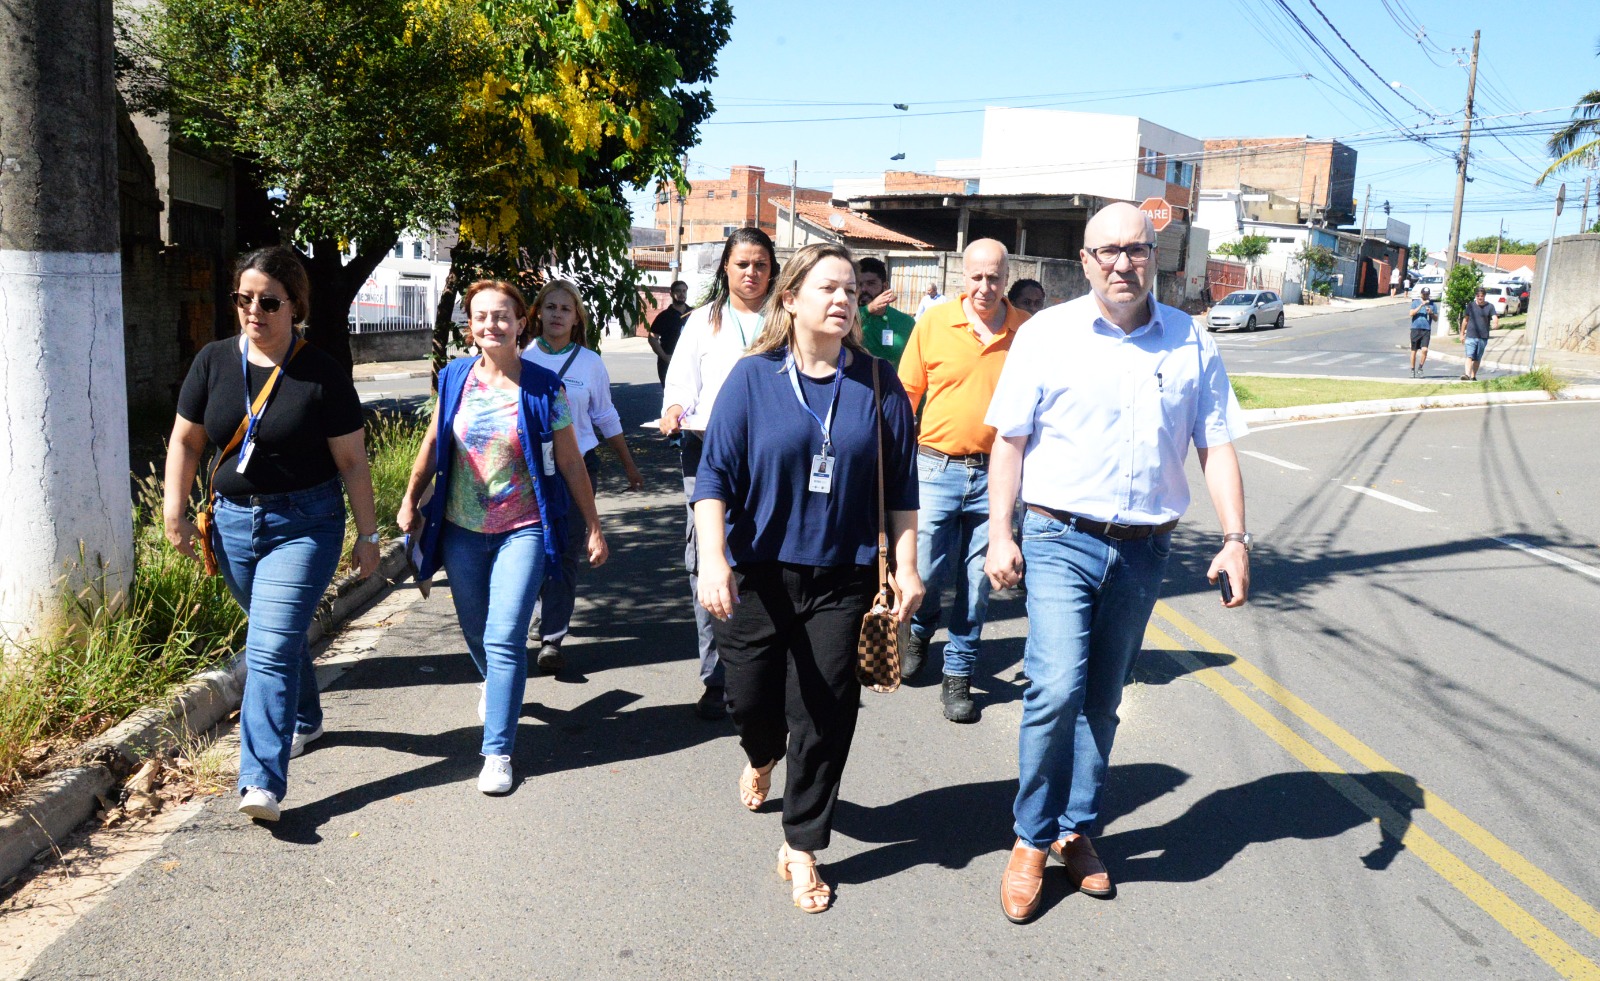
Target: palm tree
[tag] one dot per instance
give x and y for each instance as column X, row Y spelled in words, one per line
column 1579, row 140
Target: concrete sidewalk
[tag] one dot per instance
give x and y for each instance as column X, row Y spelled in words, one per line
column 1339, row 304
column 1509, row 350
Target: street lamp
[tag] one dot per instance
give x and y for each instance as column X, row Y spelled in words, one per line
column 1438, row 117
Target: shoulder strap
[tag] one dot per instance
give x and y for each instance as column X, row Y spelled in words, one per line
column 562, row 374
column 883, row 516
column 255, row 409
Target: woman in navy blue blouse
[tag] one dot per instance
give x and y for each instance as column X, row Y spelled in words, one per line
column 786, row 510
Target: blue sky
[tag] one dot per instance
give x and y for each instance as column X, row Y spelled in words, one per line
column 1172, row 63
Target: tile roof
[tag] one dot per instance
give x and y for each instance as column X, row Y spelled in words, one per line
column 1508, row 263
column 850, row 225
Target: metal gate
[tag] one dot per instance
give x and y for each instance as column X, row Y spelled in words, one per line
column 909, row 276
column 1224, row 277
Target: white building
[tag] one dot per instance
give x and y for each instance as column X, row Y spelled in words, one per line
column 403, row 291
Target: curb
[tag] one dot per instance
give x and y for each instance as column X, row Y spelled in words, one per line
column 53, row 808
column 383, row 376
column 1335, row 410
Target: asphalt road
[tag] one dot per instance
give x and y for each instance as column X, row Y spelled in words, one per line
column 1363, row 342
column 1400, row 675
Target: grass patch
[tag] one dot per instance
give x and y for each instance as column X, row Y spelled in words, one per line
column 57, row 691
column 1259, row 392
column 1514, row 322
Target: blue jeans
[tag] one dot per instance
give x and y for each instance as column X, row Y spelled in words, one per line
column 277, row 553
column 494, row 581
column 953, row 539
column 1089, row 600
column 559, row 595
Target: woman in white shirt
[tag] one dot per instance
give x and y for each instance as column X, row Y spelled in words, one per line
column 715, row 336
column 560, row 332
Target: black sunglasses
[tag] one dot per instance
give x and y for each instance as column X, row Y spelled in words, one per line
column 269, row 303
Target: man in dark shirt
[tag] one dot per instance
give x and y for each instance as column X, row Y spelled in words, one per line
column 1477, row 320
column 664, row 330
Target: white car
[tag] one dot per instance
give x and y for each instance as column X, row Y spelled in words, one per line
column 1434, row 284
column 1246, row 310
column 1499, row 296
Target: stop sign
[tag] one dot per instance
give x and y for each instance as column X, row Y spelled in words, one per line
column 1158, row 211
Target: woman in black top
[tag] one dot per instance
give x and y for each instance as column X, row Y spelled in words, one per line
column 279, row 514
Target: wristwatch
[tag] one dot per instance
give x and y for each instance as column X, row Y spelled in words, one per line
column 374, row 539
column 1242, row 537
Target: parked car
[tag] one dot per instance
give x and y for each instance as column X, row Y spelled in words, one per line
column 1246, row 309
column 1519, row 290
column 1435, row 285
column 1500, row 297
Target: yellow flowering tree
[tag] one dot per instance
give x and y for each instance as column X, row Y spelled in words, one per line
column 354, row 121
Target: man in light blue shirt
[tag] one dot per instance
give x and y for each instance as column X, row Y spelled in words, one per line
column 1094, row 414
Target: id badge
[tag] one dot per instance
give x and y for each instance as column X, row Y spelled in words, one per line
column 549, row 458
column 821, row 474
column 245, row 454
column 888, row 338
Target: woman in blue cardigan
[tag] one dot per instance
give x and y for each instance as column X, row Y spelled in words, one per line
column 503, row 474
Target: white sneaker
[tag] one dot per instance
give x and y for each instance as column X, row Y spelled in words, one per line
column 259, row 804
column 297, row 745
column 496, row 775
column 483, row 702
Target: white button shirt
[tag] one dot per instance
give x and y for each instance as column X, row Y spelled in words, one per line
column 1109, row 416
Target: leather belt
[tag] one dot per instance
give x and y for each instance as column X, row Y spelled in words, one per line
column 1104, row 529
column 970, row 459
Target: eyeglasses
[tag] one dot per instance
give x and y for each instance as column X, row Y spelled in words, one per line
column 1138, row 253
column 269, row 303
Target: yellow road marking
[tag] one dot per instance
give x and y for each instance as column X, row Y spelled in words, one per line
column 1498, row 851
column 1560, row 955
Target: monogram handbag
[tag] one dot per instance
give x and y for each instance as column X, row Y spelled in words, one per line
column 882, row 634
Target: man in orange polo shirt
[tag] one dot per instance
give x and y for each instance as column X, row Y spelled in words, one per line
column 950, row 367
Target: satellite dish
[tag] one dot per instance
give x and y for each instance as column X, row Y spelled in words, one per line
column 837, row 221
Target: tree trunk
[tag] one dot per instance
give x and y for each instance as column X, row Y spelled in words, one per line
column 334, row 285
column 444, row 328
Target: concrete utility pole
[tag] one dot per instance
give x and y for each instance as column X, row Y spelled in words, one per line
column 794, row 219
column 63, row 382
column 677, row 229
column 1366, row 199
column 1499, row 240
column 1461, row 161
column 1544, row 278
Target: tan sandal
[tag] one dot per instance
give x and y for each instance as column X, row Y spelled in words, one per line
column 811, row 894
column 754, row 784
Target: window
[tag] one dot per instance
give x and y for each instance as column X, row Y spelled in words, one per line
column 399, row 250
column 1152, row 162
column 1180, row 173
column 733, row 194
column 728, row 230
column 711, row 194
column 416, row 250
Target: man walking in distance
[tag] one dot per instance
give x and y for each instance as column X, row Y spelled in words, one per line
column 954, row 358
column 1423, row 313
column 884, row 329
column 664, row 330
column 1094, row 413
column 1477, row 320
column 930, row 299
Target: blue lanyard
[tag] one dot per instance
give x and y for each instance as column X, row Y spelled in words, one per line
column 244, row 369
column 826, row 425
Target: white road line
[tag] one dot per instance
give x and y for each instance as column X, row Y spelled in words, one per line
column 1342, row 357
column 1550, row 556
column 1371, row 361
column 1285, row 464
column 1380, row 495
column 1302, row 357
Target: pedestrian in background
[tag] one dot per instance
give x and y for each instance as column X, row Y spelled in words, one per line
column 715, row 336
column 668, row 325
column 930, row 299
column 949, row 371
column 884, row 329
column 788, row 491
column 1095, row 412
column 1477, row 320
column 502, row 457
column 286, row 420
column 1026, row 295
column 560, row 331
column 1423, row 314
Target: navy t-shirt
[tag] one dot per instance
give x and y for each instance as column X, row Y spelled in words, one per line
column 757, row 460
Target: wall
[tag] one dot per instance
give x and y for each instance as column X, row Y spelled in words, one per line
column 1567, row 308
column 1045, row 151
column 713, row 206
column 1319, row 172
column 395, row 345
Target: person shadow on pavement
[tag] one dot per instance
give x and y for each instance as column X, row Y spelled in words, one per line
column 1305, row 805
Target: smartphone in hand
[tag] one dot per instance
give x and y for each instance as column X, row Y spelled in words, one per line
column 1225, row 587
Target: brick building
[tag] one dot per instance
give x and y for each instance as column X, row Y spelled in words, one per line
column 1317, row 176
column 713, row 209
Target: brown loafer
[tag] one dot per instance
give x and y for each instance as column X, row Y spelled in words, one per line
column 1023, row 883
column 1084, row 869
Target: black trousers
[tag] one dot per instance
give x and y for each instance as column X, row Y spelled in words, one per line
column 790, row 656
